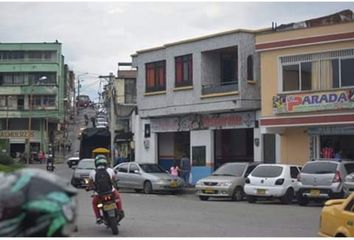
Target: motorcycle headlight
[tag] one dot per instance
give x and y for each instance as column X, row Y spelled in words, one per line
column 225, row 184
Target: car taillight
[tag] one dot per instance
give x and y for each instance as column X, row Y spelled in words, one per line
column 247, row 180
column 337, row 177
column 279, row 181
column 299, row 178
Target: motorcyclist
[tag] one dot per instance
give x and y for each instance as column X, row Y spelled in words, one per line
column 101, row 163
column 35, row 203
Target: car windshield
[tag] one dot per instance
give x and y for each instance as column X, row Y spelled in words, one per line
column 152, row 168
column 267, row 171
column 235, row 170
column 86, row 165
column 320, row 167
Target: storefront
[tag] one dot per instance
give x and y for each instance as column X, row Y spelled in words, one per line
column 208, row 140
column 18, row 138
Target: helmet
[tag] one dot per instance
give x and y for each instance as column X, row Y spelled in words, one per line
column 100, row 160
column 35, row 203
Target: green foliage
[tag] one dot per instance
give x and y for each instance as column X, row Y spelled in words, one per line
column 6, row 160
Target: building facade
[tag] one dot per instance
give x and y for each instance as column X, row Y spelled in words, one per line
column 307, row 88
column 199, row 97
column 31, row 95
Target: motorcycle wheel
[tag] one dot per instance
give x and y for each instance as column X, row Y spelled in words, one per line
column 113, row 225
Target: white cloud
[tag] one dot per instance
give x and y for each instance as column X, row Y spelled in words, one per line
column 97, row 35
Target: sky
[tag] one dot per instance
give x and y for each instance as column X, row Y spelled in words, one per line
column 95, row 36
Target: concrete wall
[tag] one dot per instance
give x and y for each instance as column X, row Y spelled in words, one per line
column 294, row 146
column 181, row 102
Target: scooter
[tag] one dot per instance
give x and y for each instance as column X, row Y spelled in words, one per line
column 109, row 211
column 50, row 167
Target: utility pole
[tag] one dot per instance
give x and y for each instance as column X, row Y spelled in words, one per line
column 112, row 116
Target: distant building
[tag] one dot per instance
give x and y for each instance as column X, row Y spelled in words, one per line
column 33, row 95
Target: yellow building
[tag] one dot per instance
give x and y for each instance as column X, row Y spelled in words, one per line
column 307, row 89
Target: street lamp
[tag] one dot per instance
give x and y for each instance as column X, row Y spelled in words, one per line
column 41, row 79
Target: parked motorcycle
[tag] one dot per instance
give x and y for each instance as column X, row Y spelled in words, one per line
column 110, row 213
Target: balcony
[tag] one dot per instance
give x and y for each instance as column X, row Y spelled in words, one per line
column 221, row 87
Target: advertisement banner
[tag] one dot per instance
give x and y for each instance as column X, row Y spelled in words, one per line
column 308, row 102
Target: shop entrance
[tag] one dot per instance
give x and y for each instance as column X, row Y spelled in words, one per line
column 171, row 147
column 233, row 145
column 16, row 149
column 332, row 146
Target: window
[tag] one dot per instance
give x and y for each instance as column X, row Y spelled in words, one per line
column 12, row 78
column 228, row 68
column 320, row 71
column 123, row 168
column 250, row 67
column 199, row 155
column 184, row 70
column 42, row 78
column 350, row 206
column 320, row 168
column 294, row 171
column 267, row 171
column 133, row 167
column 156, row 76
column 249, row 170
column 43, row 101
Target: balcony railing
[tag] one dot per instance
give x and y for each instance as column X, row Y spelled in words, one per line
column 221, row 87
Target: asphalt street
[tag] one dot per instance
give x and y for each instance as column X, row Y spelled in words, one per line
column 184, row 215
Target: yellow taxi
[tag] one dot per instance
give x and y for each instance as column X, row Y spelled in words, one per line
column 337, row 218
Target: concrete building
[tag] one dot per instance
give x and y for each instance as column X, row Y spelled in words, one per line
column 31, row 95
column 125, row 104
column 199, row 97
column 307, row 82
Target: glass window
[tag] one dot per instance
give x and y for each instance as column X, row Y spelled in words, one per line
column 155, row 76
column 152, row 168
column 306, row 75
column 123, row 168
column 83, row 164
column 133, row 167
column 320, row 168
column 230, row 169
column 2, row 101
column 199, row 155
column 347, row 72
column 183, row 68
column 228, row 67
column 349, row 167
column 294, row 171
column 250, row 67
column 291, row 77
column 267, row 171
column 350, row 206
column 249, row 170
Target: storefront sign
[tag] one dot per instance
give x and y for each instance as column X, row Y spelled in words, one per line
column 314, row 101
column 199, row 122
column 335, row 130
column 17, row 134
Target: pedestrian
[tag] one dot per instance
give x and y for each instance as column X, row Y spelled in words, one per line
column 338, row 156
column 41, row 156
column 174, row 170
column 93, row 120
column 185, row 168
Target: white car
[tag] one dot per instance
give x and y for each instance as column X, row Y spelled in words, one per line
column 101, row 121
column 349, row 184
column 272, row 181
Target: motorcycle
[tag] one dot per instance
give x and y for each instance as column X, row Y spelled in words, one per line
column 110, row 213
column 50, row 164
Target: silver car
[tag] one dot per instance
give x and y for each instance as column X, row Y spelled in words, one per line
column 349, row 184
column 147, row 177
column 322, row 179
column 81, row 173
column 227, row 181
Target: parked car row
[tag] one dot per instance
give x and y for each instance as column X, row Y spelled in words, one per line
column 316, row 180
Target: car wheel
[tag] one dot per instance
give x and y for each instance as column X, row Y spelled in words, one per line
column 288, row 196
column 302, row 201
column 147, row 187
column 251, row 199
column 203, row 198
column 237, row 194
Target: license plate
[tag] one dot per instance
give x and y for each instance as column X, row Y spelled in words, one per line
column 315, row 193
column 173, row 184
column 261, row 191
column 209, row 190
column 109, row 206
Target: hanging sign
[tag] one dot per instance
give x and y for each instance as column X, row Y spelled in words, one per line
column 314, row 101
